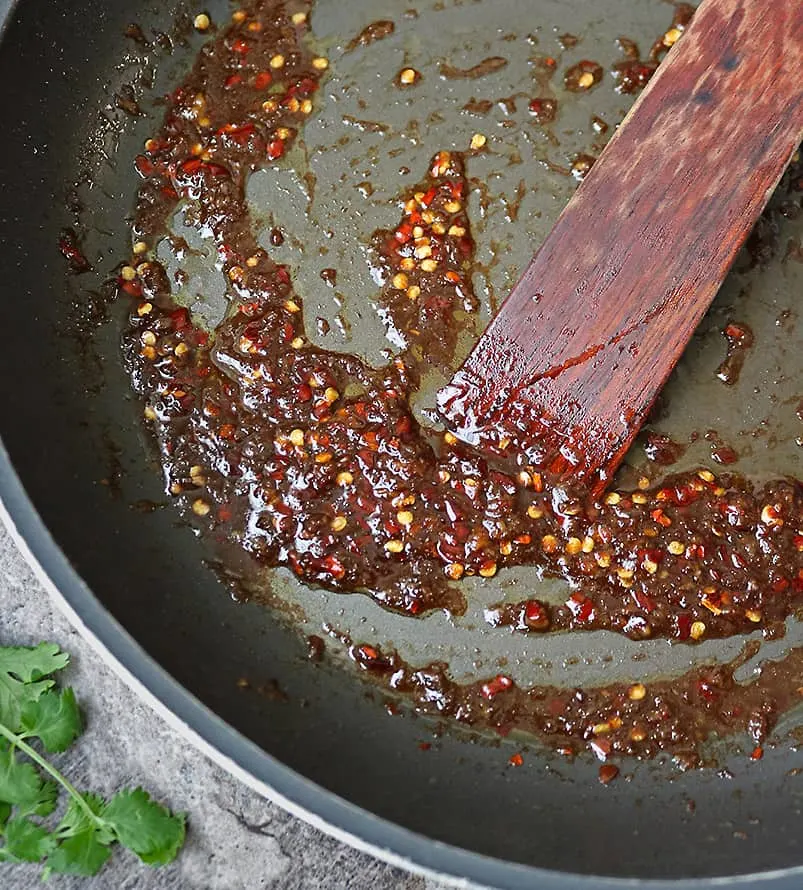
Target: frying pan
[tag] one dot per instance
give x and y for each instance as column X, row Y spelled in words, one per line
column 83, row 492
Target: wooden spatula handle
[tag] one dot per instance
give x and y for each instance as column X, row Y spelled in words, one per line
column 583, row 345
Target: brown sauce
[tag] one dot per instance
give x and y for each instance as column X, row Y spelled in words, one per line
column 313, row 460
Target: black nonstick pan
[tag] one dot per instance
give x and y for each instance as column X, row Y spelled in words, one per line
column 84, row 494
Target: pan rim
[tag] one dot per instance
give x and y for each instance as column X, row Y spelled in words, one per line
column 259, row 770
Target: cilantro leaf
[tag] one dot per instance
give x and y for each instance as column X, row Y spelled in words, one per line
column 76, row 821
column 22, row 670
column 145, row 826
column 54, row 718
column 22, row 786
column 83, row 853
column 31, row 708
column 28, row 842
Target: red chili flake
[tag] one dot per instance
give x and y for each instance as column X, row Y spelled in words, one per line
column 757, row 753
column 304, row 392
column 237, row 132
column 240, row 46
column 492, row 688
column 132, row 288
column 607, row 773
column 232, row 80
column 683, row 622
column 706, row 690
column 224, row 514
column 644, row 602
column 304, row 87
column 581, row 606
column 536, row 615
column 429, row 197
column 543, row 110
column 275, row 149
column 403, row 233
column 263, row 80
column 516, row 759
column 425, row 746
column 333, row 565
column 144, row 166
column 180, row 318
column 68, row 245
column 661, row 518
column 601, row 748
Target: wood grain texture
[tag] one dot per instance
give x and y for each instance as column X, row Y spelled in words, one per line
column 574, row 359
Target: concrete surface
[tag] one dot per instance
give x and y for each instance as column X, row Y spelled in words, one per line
column 236, row 841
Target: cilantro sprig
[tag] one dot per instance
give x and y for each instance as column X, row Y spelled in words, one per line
column 35, row 714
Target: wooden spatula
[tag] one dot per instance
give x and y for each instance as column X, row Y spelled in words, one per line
column 569, row 367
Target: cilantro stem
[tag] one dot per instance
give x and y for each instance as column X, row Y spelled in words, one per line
column 22, row 745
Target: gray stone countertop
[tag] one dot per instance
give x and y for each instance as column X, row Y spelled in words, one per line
column 236, row 839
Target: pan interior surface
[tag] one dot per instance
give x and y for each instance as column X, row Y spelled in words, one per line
column 73, row 431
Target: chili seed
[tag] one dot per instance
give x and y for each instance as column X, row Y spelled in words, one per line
column 297, row 437
column 637, row 692
column 549, row 543
column 488, row 569
column 413, row 292
column 400, row 281
column 202, row 22
column 297, row 342
column 671, row 37
column 128, row 273
column 428, row 265
column 320, row 63
column 344, row 478
column 144, row 309
column 478, row 141
column 588, row 544
column 407, row 76
column 404, row 517
column 771, row 516
column 277, row 61
column 574, row 546
column 394, row 546
column 534, row 512
column 676, row 548
column 200, row 507
column 613, row 498
column 298, row 18
column 753, row 615
column 697, row 630
column 339, row 523
column 455, row 571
